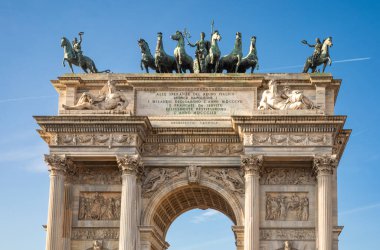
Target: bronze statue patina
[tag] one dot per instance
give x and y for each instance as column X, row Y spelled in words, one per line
column 183, row 60
column 320, row 55
column 212, row 59
column 73, row 55
column 251, row 60
column 202, row 49
column 147, row 60
column 231, row 62
column 164, row 63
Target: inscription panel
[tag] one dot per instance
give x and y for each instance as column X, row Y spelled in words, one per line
column 195, row 102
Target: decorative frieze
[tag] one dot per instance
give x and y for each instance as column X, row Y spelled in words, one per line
column 99, row 206
column 105, row 176
column 287, row 234
column 95, row 234
column 230, row 178
column 287, row 176
column 282, row 206
column 156, row 177
column 192, row 149
column 288, row 139
column 69, row 139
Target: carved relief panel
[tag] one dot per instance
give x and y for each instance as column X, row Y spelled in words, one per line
column 287, row 206
column 99, row 206
column 287, row 176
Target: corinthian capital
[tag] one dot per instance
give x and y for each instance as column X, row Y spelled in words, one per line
column 130, row 164
column 58, row 164
column 324, row 164
column 252, row 164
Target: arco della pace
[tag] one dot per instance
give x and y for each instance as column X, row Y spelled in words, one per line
column 129, row 153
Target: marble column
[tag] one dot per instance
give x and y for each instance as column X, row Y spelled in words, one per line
column 252, row 165
column 130, row 166
column 324, row 166
column 57, row 168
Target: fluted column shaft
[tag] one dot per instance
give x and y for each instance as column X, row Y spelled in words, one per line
column 324, row 166
column 130, row 167
column 57, row 167
column 252, row 165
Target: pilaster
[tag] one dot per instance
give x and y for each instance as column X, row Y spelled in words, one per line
column 130, row 166
column 252, row 165
column 57, row 167
column 324, row 166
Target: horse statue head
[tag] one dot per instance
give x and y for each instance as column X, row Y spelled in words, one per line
column 177, row 36
column 216, row 36
column 143, row 45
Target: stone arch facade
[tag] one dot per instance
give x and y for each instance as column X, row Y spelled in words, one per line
column 175, row 198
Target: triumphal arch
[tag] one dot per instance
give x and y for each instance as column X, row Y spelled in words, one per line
column 129, row 153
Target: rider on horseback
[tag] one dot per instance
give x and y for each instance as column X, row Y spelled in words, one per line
column 317, row 50
column 77, row 46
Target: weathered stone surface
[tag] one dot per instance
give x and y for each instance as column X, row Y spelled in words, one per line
column 120, row 177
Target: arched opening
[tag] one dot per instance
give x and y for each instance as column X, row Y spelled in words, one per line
column 199, row 229
column 185, row 199
column 179, row 198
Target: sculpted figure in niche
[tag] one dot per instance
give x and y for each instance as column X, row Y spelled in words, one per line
column 284, row 100
column 97, row 245
column 108, row 99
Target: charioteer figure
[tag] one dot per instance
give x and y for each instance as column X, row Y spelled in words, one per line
column 203, row 47
column 317, row 50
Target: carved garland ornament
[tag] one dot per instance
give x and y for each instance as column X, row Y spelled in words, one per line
column 95, row 234
column 325, row 164
column 252, row 164
column 269, row 139
column 130, row 164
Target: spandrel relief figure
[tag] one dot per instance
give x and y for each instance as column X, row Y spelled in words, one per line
column 287, row 99
column 156, row 177
column 108, row 99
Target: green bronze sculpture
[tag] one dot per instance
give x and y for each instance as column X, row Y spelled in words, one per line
column 183, row 60
column 73, row 55
column 320, row 55
column 201, row 52
column 164, row 63
column 251, row 60
column 212, row 59
column 147, row 60
column 231, row 62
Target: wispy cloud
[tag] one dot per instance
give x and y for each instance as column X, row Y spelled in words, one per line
column 205, row 216
column 26, row 98
column 337, row 61
column 360, row 209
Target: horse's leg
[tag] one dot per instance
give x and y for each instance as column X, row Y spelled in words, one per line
column 146, row 68
column 237, row 64
column 306, row 67
column 324, row 67
column 71, row 67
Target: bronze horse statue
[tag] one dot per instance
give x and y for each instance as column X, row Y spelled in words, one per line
column 147, row 60
column 183, row 60
column 251, row 60
column 212, row 59
column 71, row 57
column 231, row 62
column 164, row 63
column 323, row 58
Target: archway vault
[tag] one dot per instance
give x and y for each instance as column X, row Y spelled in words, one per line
column 181, row 197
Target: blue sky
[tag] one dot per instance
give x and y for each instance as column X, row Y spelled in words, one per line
column 31, row 56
